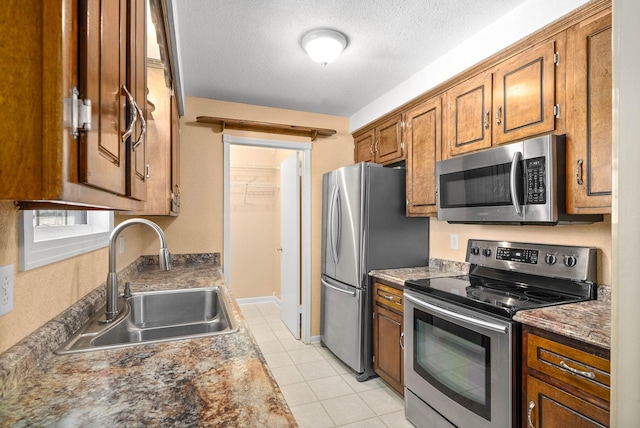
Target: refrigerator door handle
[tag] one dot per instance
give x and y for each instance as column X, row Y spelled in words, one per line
column 335, row 198
column 326, row 284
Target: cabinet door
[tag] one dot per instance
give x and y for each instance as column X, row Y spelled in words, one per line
column 137, row 84
column 364, row 147
column 388, row 354
column 524, row 94
column 175, row 157
column 547, row 406
column 422, row 134
column 388, row 147
column 589, row 124
column 102, row 72
column 468, row 115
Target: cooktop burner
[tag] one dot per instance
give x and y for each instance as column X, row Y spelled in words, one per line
column 506, row 277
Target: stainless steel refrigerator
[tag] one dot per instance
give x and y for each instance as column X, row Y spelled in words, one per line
column 364, row 227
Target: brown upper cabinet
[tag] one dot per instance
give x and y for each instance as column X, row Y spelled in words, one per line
column 112, row 57
column 423, row 136
column 85, row 87
column 589, row 138
column 468, row 115
column 84, row 59
column 514, row 100
column 383, row 144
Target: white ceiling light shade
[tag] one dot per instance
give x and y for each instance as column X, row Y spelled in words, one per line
column 324, row 46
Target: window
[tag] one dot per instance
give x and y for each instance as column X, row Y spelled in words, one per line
column 48, row 236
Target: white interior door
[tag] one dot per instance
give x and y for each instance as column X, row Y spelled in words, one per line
column 290, row 244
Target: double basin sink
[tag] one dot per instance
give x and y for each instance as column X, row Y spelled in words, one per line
column 156, row 316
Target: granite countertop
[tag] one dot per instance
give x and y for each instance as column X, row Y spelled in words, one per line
column 588, row 322
column 209, row 381
column 436, row 268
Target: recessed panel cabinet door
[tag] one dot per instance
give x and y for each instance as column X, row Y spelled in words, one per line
column 102, row 72
column 423, row 137
column 589, row 123
column 137, row 145
column 524, row 94
column 364, row 147
column 468, row 112
column 388, row 146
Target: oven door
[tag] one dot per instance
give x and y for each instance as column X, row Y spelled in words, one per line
column 460, row 362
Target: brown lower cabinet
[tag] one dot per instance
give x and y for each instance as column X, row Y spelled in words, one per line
column 388, row 334
column 566, row 382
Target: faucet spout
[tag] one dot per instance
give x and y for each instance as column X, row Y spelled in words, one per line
column 112, row 278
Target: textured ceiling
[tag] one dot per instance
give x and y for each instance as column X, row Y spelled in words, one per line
column 248, row 51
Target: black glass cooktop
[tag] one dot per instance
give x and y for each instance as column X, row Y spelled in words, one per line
column 501, row 297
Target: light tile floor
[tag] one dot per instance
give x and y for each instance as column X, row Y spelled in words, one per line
column 320, row 390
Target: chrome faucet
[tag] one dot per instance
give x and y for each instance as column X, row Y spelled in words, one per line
column 112, row 277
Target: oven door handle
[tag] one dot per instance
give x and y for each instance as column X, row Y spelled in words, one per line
column 460, row 317
column 517, row 156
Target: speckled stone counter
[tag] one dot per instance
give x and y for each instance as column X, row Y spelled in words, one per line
column 588, row 322
column 436, row 268
column 210, row 381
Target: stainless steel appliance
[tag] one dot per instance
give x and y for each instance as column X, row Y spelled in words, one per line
column 364, row 227
column 462, row 347
column 520, row 183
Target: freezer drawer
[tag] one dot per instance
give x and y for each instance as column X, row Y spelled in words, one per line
column 341, row 322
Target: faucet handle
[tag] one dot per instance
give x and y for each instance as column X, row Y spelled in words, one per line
column 127, row 290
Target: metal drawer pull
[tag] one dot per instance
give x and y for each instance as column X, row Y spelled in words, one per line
column 391, row 298
column 590, row 375
column 529, row 412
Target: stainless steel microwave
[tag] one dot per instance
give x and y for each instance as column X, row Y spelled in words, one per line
column 518, row 183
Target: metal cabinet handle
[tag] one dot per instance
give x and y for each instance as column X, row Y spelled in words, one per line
column 402, row 340
column 143, row 123
column 486, row 119
column 499, row 115
column 134, row 114
column 579, row 172
column 589, row 375
column 377, row 142
column 529, row 412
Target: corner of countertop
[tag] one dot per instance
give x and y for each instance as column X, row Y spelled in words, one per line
column 19, row 360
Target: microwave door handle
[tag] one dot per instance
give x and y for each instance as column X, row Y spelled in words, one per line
column 517, row 156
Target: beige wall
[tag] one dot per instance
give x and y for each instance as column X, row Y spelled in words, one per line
column 42, row 293
column 596, row 235
column 253, row 238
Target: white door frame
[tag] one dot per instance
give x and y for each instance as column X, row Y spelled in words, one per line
column 305, row 150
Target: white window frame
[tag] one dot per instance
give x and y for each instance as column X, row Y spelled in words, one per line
column 49, row 245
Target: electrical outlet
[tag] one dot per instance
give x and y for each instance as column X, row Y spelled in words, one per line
column 454, row 241
column 121, row 242
column 6, row 289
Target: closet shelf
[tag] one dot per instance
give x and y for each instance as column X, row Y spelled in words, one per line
column 271, row 128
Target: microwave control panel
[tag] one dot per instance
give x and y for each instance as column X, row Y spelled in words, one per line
column 536, row 183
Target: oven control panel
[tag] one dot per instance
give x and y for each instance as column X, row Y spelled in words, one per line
column 558, row 261
column 520, row 255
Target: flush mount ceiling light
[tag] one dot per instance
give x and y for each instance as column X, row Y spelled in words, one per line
column 324, row 46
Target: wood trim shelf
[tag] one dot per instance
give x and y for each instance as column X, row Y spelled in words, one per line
column 271, row 128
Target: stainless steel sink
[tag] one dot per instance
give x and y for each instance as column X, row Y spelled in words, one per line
column 156, row 316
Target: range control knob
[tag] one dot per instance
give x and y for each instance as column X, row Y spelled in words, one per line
column 570, row 261
column 486, row 252
column 475, row 251
column 550, row 259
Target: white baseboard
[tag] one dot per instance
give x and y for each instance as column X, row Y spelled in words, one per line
column 255, row 300
column 315, row 339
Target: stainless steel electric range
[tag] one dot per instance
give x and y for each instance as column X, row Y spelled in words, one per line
column 462, row 347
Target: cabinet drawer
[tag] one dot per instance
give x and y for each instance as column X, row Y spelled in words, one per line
column 580, row 369
column 388, row 296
